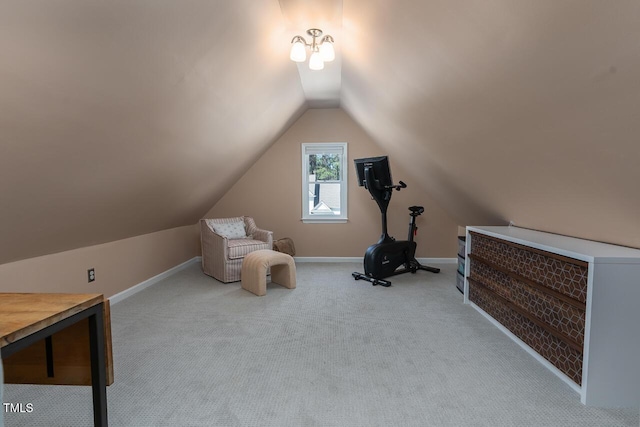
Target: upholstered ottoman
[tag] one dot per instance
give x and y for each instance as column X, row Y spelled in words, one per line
column 257, row 263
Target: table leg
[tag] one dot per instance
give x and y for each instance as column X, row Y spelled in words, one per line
column 98, row 374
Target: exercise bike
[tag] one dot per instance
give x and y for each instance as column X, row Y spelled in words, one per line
column 389, row 256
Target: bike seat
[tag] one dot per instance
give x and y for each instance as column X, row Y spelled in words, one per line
column 418, row 210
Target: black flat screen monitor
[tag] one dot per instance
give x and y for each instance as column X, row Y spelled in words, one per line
column 380, row 168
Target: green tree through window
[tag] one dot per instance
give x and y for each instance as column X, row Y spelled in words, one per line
column 326, row 167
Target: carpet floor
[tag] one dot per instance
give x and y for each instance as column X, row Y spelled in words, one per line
column 191, row 351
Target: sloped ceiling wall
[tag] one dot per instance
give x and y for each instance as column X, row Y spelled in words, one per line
column 523, row 111
column 121, row 118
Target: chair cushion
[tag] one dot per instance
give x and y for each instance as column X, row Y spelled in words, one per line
column 238, row 248
column 230, row 230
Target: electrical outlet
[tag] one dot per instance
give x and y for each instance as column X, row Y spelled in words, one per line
column 91, row 274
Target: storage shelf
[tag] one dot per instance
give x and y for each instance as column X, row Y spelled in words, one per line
column 541, row 287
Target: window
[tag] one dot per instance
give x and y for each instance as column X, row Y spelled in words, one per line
column 324, row 182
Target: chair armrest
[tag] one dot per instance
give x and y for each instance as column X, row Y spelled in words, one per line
column 263, row 235
column 257, row 233
column 211, row 242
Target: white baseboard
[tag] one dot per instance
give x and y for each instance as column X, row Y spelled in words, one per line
column 359, row 259
column 152, row 281
column 437, row 260
column 326, row 259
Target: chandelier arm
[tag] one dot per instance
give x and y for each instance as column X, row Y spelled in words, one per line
column 300, row 38
column 327, row 38
column 315, row 34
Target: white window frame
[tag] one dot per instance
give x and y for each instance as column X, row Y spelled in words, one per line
column 328, row 147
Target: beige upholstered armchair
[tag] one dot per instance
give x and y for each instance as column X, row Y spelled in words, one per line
column 226, row 241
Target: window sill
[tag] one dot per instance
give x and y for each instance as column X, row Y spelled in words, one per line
column 324, row 220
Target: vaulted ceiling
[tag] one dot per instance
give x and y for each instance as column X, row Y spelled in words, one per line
column 125, row 117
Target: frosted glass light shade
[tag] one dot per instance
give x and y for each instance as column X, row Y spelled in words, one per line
column 298, row 52
column 327, row 52
column 316, row 62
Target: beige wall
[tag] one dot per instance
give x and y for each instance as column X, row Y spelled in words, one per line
column 119, row 265
column 270, row 191
column 529, row 115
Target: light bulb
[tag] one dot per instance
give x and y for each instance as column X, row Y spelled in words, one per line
column 326, row 50
column 316, row 62
column 298, row 52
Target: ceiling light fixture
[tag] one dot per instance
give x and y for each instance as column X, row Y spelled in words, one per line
column 320, row 52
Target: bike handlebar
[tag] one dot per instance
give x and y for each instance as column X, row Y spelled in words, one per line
column 397, row 187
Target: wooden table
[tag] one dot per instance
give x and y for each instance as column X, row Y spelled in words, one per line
column 28, row 318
